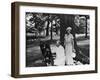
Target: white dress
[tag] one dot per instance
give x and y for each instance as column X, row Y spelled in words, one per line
column 60, row 56
column 68, row 49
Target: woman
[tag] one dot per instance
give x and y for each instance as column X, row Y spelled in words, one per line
column 69, row 46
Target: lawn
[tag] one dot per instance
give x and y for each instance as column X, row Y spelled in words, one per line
column 34, row 56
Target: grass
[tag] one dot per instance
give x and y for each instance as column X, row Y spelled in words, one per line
column 34, row 54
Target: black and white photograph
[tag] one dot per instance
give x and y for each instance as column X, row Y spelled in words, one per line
column 57, row 39
column 51, row 39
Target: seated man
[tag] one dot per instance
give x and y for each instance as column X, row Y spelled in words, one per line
column 60, row 55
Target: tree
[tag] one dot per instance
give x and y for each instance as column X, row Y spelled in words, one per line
column 47, row 28
column 66, row 21
column 51, row 21
column 86, row 32
column 62, row 28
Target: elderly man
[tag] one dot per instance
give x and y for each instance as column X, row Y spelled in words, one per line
column 60, row 55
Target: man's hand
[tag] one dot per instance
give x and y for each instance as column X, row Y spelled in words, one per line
column 74, row 50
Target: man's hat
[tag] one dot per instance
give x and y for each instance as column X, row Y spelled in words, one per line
column 69, row 28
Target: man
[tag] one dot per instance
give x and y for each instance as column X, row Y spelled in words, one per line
column 60, row 55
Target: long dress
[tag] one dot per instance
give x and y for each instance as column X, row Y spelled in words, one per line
column 68, row 49
column 60, row 56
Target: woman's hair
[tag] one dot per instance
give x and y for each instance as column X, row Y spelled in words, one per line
column 68, row 28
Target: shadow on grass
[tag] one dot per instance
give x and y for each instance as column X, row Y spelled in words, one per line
column 82, row 54
column 32, row 59
column 37, row 43
column 82, row 38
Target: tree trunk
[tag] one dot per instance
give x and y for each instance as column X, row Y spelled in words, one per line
column 86, row 29
column 47, row 29
column 62, row 28
column 51, row 30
